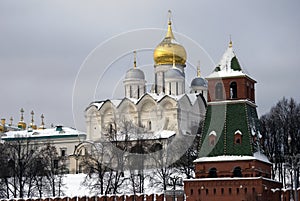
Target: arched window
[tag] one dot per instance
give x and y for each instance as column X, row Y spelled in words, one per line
column 237, row 171
column 130, row 91
column 238, row 137
column 233, row 90
column 212, row 172
column 219, row 91
column 110, row 129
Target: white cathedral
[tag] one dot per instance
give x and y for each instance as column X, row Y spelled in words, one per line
column 164, row 112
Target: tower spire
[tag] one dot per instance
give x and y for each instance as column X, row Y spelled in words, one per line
column 134, row 59
column 198, row 69
column 230, row 41
column 22, row 117
column 42, row 126
column 11, row 121
column 170, row 32
column 32, row 115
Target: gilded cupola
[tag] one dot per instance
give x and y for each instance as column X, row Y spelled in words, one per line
column 169, row 51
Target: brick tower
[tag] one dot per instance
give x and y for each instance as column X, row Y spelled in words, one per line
column 231, row 164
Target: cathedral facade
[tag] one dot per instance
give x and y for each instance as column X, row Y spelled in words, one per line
column 168, row 110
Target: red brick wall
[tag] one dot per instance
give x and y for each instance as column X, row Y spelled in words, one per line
column 250, row 168
column 242, row 84
column 231, row 189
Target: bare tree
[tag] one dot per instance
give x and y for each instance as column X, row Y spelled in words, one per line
column 281, row 132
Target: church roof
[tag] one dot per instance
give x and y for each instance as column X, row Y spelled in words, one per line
column 135, row 73
column 225, row 118
column 48, row 133
column 156, row 97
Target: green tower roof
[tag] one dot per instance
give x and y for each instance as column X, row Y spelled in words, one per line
column 223, row 122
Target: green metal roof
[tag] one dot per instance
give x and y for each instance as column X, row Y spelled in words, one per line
column 225, row 119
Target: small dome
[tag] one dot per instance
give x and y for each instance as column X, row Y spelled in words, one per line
column 169, row 50
column 199, row 82
column 174, row 73
column 135, row 73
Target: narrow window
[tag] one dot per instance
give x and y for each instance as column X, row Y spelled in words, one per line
column 138, row 92
column 222, row 191
column 238, row 137
column 110, row 129
column 206, row 191
column 233, row 90
column 149, row 125
column 229, row 190
column 170, row 88
column 163, row 87
column 215, row 191
column 213, row 172
column 237, row 191
column 130, row 91
column 212, row 138
column 192, row 192
column 176, row 88
column 219, row 91
column 237, row 172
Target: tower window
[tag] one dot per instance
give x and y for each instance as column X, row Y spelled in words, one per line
column 212, row 138
column 219, row 91
column 170, row 88
column 233, row 90
column 149, row 125
column 238, row 137
column 130, row 91
column 212, row 172
column 237, row 172
column 138, row 92
column 176, row 88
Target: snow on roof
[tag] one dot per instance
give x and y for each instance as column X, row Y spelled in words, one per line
column 229, row 178
column 192, row 97
column 226, row 73
column 224, row 66
column 163, row 134
column 97, row 104
column 116, row 102
column 238, row 132
column 64, row 131
column 256, row 156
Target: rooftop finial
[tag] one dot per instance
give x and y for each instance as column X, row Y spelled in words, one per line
column 198, row 69
column 170, row 15
column 134, row 59
column 169, row 33
column 11, row 121
column 42, row 126
column 32, row 115
column 22, row 111
column 230, row 42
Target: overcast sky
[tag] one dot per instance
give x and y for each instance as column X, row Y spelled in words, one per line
column 43, row 43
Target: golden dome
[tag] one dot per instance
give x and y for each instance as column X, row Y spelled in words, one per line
column 169, row 51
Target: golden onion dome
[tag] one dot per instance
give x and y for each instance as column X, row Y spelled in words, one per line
column 169, row 51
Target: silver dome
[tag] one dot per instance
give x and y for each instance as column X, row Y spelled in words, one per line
column 135, row 73
column 199, row 82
